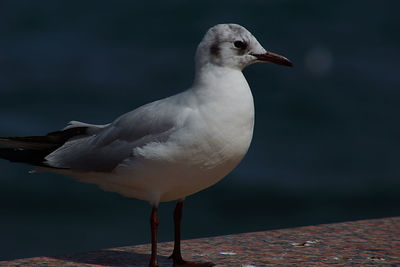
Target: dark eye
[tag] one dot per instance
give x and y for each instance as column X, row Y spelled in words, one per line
column 240, row 44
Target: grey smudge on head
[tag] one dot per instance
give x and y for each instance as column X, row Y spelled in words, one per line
column 214, row 49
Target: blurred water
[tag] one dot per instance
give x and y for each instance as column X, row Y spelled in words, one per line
column 326, row 140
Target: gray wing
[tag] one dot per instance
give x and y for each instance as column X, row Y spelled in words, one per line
column 32, row 149
column 107, row 148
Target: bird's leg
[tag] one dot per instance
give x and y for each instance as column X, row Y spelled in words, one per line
column 154, row 222
column 176, row 254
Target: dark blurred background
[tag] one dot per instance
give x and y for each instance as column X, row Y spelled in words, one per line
column 326, row 142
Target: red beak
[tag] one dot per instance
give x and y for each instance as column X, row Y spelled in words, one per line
column 274, row 58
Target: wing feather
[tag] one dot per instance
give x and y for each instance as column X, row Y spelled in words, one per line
column 114, row 143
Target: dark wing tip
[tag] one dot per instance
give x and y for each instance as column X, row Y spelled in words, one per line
column 33, row 149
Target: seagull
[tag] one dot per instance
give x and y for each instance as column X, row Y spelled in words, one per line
column 168, row 149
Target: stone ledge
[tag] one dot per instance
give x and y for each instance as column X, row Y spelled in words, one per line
column 366, row 242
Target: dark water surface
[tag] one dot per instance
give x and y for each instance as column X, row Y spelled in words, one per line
column 326, row 142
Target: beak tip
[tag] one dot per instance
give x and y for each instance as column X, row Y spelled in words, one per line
column 274, row 58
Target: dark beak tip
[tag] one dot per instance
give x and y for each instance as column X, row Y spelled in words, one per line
column 274, row 58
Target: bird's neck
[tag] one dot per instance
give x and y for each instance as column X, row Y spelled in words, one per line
column 225, row 91
column 225, row 104
column 212, row 76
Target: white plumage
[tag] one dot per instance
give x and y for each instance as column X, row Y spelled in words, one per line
column 179, row 145
column 170, row 148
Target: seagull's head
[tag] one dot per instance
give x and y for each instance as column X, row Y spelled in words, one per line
column 231, row 45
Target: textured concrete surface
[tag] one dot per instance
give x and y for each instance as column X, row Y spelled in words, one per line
column 368, row 243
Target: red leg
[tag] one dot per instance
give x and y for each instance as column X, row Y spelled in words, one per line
column 154, row 222
column 176, row 254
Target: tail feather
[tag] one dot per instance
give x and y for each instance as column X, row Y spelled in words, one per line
column 32, row 157
column 33, row 149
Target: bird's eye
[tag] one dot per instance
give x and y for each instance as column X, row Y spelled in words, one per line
column 240, row 44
